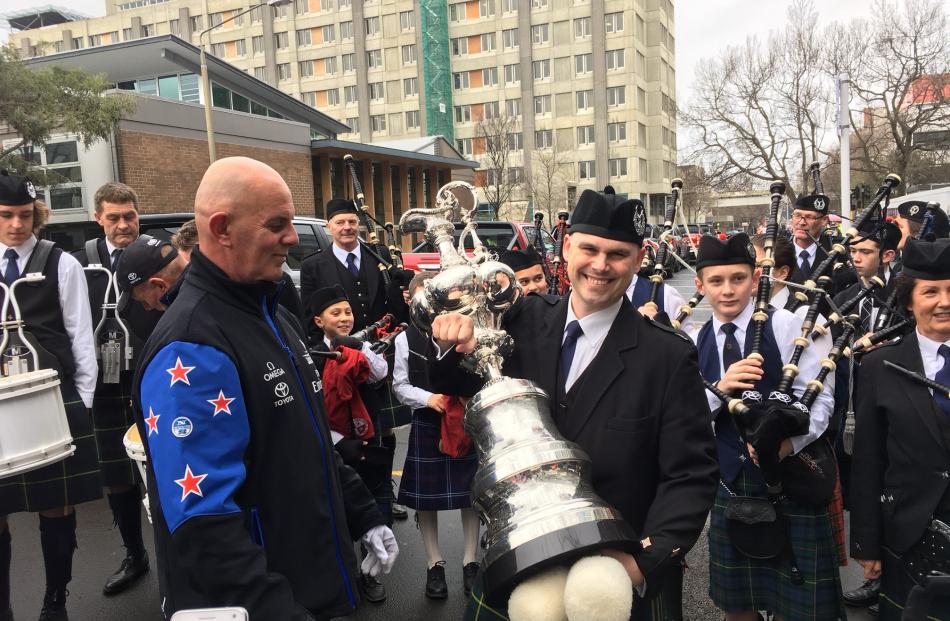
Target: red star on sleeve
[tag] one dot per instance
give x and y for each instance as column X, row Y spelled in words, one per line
column 179, row 373
column 152, row 421
column 190, row 483
column 221, row 404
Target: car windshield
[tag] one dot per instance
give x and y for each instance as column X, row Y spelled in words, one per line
column 693, row 228
column 496, row 237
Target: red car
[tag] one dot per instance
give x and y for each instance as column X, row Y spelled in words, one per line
column 497, row 237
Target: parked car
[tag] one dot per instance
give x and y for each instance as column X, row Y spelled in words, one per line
column 496, row 236
column 311, row 231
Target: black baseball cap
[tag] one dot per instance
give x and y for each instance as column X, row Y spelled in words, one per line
column 141, row 260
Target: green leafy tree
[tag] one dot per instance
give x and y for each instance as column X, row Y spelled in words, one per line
column 36, row 103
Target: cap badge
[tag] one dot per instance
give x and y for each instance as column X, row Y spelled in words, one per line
column 132, row 276
column 820, row 204
column 29, row 188
column 639, row 221
column 914, row 209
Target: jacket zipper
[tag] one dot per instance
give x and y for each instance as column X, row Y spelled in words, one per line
column 323, row 453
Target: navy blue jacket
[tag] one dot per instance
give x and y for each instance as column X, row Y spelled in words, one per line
column 251, row 505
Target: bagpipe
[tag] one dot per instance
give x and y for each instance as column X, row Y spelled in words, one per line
column 538, row 242
column 388, row 257
column 560, row 282
column 663, row 247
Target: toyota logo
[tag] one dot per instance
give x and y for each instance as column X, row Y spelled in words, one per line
column 282, row 390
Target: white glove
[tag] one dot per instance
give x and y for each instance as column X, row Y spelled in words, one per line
column 381, row 551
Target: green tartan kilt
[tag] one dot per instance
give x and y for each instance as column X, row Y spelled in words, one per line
column 71, row 481
column 739, row 584
column 665, row 606
column 111, row 418
column 392, row 414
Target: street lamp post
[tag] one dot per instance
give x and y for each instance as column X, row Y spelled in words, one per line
column 205, row 80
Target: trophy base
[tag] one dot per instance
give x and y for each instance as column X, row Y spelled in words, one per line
column 560, row 547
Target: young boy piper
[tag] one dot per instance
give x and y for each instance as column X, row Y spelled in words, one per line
column 739, row 585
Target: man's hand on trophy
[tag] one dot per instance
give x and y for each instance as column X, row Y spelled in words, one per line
column 454, row 330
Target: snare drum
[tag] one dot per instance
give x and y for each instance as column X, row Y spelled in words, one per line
column 34, row 430
column 136, row 451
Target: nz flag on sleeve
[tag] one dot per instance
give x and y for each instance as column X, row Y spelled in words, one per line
column 197, row 431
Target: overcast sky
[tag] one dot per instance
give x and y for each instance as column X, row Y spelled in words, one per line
column 703, row 27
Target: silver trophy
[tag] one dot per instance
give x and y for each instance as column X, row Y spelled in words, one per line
column 532, row 488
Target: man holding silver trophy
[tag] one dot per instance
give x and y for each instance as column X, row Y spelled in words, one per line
column 602, row 446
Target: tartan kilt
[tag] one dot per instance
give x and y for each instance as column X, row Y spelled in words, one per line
column 896, row 584
column 433, row 481
column 392, row 414
column 111, row 418
column 738, row 583
column 666, row 606
column 71, row 481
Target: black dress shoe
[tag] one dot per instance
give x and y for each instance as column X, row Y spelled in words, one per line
column 54, row 605
column 436, row 588
column 131, row 569
column 469, row 572
column 399, row 512
column 864, row 595
column 873, row 609
column 372, row 589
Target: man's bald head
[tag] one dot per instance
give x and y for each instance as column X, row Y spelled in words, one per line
column 244, row 213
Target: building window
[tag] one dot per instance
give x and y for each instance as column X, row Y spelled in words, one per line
column 305, row 69
column 617, row 167
column 412, row 119
column 457, row 12
column 488, row 42
column 582, row 28
column 486, row 8
column 513, row 107
column 513, row 73
column 490, row 76
column 259, row 73
column 148, row 30
column 585, row 135
column 326, row 5
column 540, row 33
column 509, row 39
column 346, row 30
column 410, row 87
column 642, row 135
column 460, row 80
column 349, row 94
column 541, row 69
column 409, row 54
column 407, row 21
column 303, row 37
column 280, row 11
column 615, row 59
column 464, row 145
column 127, row 33
column 463, row 114
column 585, row 100
column 197, row 23
column 309, row 98
column 613, row 22
column 616, row 95
column 544, row 139
column 586, row 169
column 345, row 4
column 281, row 40
column 509, row 6
column 377, row 123
column 460, row 46
column 333, row 97
column 374, row 59
column 283, row 71
column 539, row 4
column 542, row 104
column 257, row 44
column 240, row 47
column 516, row 174
column 617, row 132
column 301, row 7
column 256, row 15
column 328, row 33
column 174, row 27
column 492, row 110
column 515, row 141
column 354, row 123
column 376, row 91
column 329, row 65
column 641, row 100
column 349, row 62
column 372, row 28
column 583, row 63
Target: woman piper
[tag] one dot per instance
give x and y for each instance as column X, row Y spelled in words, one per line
column 900, row 488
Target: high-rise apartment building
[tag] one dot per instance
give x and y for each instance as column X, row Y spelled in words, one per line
column 592, row 79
